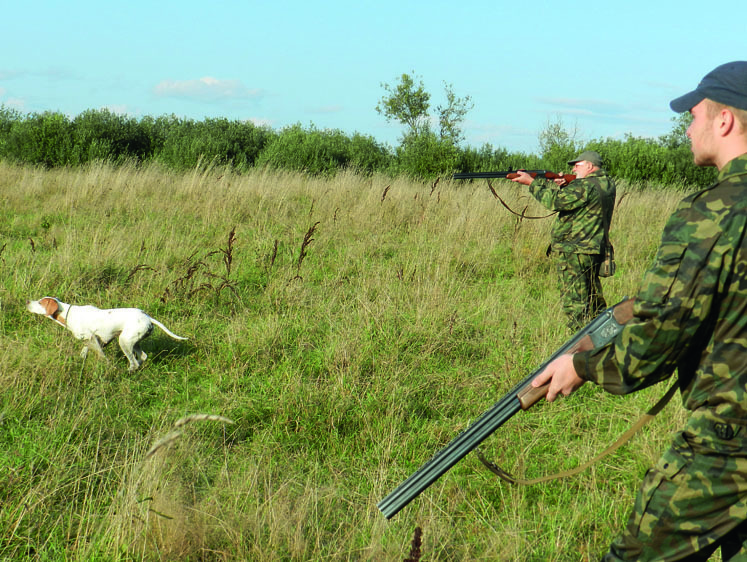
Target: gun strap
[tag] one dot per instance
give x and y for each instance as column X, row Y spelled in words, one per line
column 624, row 438
column 605, row 222
column 510, row 210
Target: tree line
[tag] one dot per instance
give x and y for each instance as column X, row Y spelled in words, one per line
column 52, row 139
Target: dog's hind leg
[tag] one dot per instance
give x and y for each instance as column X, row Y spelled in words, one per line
column 139, row 353
column 131, row 350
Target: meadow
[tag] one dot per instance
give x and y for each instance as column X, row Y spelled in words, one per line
column 341, row 331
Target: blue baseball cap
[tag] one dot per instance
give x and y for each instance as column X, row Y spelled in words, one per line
column 725, row 84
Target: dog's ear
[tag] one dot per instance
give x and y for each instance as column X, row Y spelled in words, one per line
column 50, row 305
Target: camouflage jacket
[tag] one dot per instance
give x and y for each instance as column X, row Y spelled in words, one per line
column 579, row 227
column 690, row 313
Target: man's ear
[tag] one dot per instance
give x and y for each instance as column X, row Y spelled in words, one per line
column 724, row 122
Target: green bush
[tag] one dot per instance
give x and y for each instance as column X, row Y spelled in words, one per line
column 488, row 159
column 321, row 152
column 8, row 116
column 189, row 143
column 645, row 162
column 103, row 135
column 40, row 139
column 425, row 155
column 558, row 146
column 367, row 155
column 51, row 139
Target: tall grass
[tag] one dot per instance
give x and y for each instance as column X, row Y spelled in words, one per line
column 349, row 327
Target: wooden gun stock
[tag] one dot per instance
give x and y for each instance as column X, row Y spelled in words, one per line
column 596, row 334
column 553, row 176
column 622, row 312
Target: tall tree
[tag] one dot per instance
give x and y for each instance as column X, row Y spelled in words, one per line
column 406, row 102
column 451, row 115
column 558, row 144
column 678, row 135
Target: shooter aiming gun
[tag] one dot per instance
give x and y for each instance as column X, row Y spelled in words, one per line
column 511, row 174
column 597, row 333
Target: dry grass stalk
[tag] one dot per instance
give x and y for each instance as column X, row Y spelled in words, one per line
column 172, row 436
column 139, row 267
column 163, row 442
column 185, row 285
column 415, row 546
column 201, row 417
column 307, row 239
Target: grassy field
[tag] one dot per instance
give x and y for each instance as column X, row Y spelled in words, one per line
column 348, row 327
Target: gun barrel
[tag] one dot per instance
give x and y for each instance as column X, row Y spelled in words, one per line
column 490, row 175
column 447, row 457
column 597, row 333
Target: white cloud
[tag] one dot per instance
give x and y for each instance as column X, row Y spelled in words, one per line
column 14, row 103
column 205, row 89
column 261, row 122
column 118, row 109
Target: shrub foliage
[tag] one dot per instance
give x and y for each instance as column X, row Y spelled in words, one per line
column 51, row 139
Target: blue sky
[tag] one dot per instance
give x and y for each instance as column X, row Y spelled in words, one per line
column 602, row 69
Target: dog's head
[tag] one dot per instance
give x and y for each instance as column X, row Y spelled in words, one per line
column 48, row 306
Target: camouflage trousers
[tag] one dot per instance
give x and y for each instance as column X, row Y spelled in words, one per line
column 580, row 288
column 694, row 501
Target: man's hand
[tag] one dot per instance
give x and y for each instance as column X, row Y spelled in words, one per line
column 562, row 377
column 523, row 178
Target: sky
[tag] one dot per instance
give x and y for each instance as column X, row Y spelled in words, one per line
column 601, row 70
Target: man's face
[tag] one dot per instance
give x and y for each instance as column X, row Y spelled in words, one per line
column 583, row 168
column 700, row 133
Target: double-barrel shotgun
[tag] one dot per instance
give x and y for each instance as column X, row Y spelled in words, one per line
column 511, row 174
column 596, row 334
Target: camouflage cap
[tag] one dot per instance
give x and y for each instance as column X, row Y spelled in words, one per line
column 588, row 156
column 725, row 84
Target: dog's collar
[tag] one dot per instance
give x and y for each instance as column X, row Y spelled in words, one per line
column 56, row 316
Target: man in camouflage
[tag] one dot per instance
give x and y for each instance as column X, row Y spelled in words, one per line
column 579, row 233
column 690, row 316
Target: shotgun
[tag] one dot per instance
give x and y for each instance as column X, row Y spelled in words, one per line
column 597, row 333
column 511, row 174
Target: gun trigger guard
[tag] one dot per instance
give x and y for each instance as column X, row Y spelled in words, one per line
column 494, row 468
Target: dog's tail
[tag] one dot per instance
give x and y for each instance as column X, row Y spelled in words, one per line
column 165, row 329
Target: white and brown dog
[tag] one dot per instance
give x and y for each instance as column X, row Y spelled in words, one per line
column 97, row 327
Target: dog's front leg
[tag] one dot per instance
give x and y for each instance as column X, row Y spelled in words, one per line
column 94, row 343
